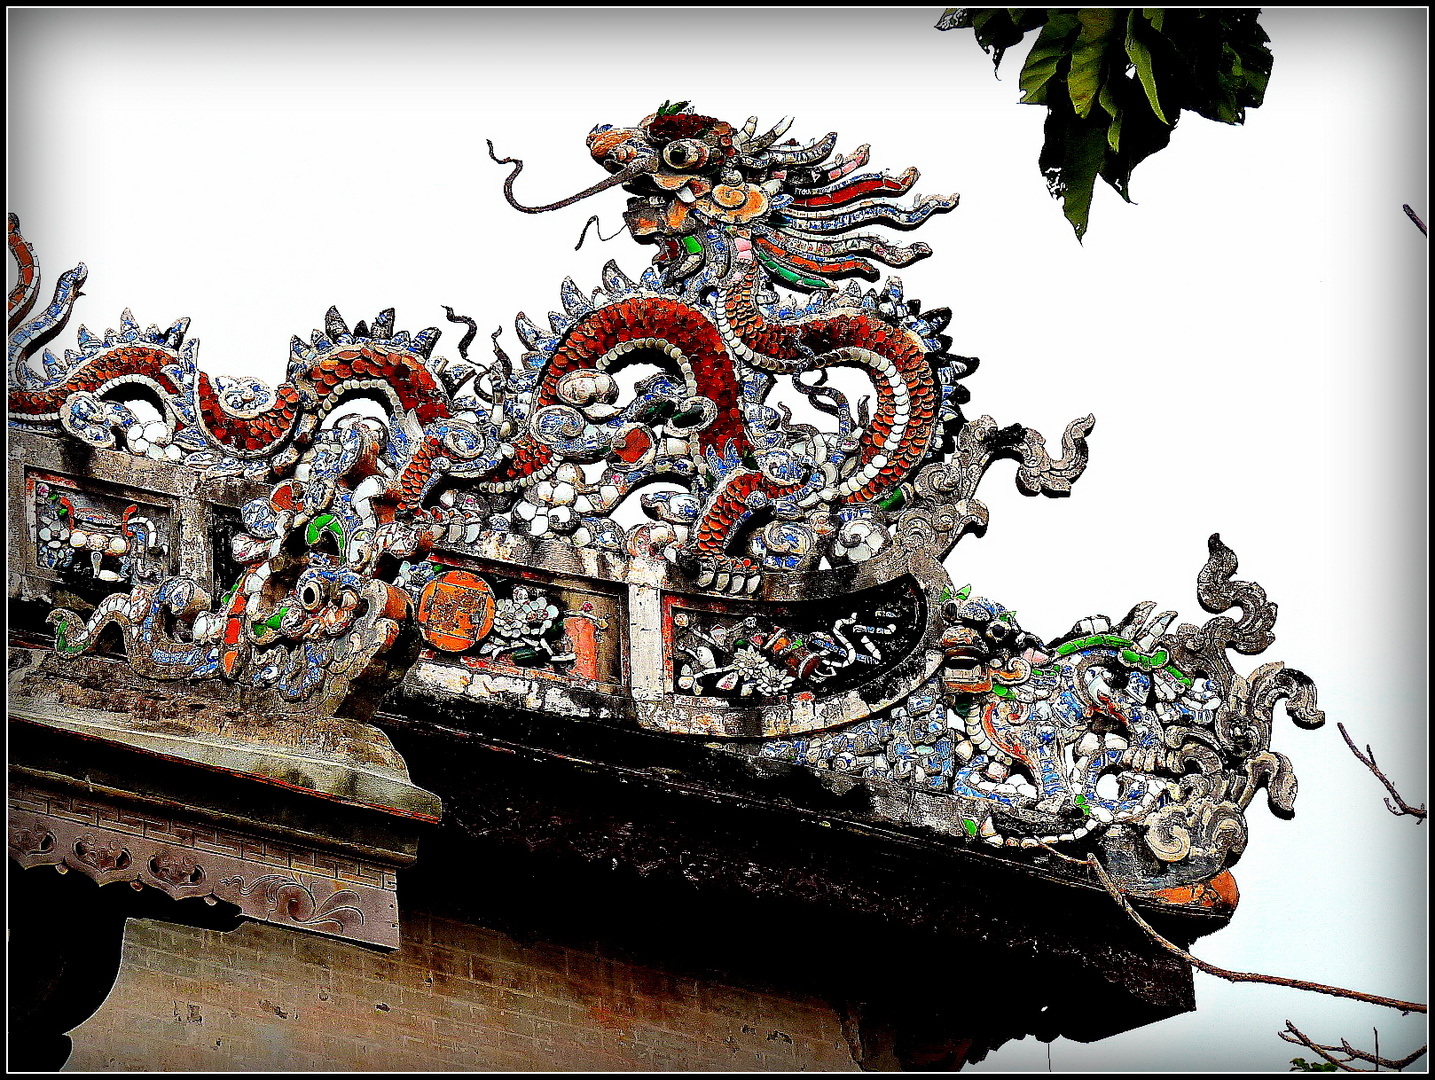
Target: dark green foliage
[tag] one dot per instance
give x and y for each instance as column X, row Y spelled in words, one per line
column 1302, row 1065
column 1115, row 81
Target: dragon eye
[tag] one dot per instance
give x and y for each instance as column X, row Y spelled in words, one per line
column 685, row 154
column 312, row 590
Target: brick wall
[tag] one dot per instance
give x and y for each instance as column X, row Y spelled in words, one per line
column 453, row 997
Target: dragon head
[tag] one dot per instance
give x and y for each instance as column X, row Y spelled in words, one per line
column 793, row 206
column 693, row 181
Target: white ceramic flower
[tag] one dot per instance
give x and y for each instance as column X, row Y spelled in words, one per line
column 525, row 614
column 756, row 671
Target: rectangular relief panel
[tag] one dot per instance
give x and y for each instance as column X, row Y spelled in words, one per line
column 757, row 653
column 92, row 538
column 743, row 668
column 523, row 639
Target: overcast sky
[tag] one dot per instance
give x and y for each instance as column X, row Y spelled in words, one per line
column 1251, row 336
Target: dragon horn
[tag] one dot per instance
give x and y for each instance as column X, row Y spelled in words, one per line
column 804, row 155
column 764, row 141
column 638, row 168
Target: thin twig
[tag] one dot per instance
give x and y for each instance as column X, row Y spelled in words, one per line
column 1411, row 215
column 1116, row 894
column 1368, row 760
column 1301, row 1039
column 1293, row 1034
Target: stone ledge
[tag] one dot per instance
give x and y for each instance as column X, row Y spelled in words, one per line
column 331, row 757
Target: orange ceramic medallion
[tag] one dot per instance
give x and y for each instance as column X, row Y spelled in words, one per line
column 455, row 611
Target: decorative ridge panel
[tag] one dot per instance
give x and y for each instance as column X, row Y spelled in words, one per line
column 271, row 881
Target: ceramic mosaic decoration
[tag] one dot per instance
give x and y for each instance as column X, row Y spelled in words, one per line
column 783, row 594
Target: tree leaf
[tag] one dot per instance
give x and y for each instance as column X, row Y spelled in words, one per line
column 1212, row 61
column 1050, row 50
column 1141, row 57
column 1088, row 57
column 954, row 19
column 980, row 19
column 1141, row 136
column 996, row 29
column 996, row 32
column 1224, row 58
column 1071, row 157
column 1107, row 100
column 1249, row 42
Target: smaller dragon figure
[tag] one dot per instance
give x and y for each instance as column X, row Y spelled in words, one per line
column 1114, row 729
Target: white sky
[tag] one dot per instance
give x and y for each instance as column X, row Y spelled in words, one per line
column 1251, row 337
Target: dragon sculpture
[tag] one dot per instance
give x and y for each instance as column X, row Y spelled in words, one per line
column 1113, row 731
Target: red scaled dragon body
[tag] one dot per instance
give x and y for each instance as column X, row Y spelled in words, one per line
column 731, row 214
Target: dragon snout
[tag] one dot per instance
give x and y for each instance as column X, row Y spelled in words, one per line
column 963, row 647
column 617, row 148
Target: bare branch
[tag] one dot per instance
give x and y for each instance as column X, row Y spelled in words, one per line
column 1411, row 215
column 1293, row 1034
column 1116, row 894
column 1368, row 760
